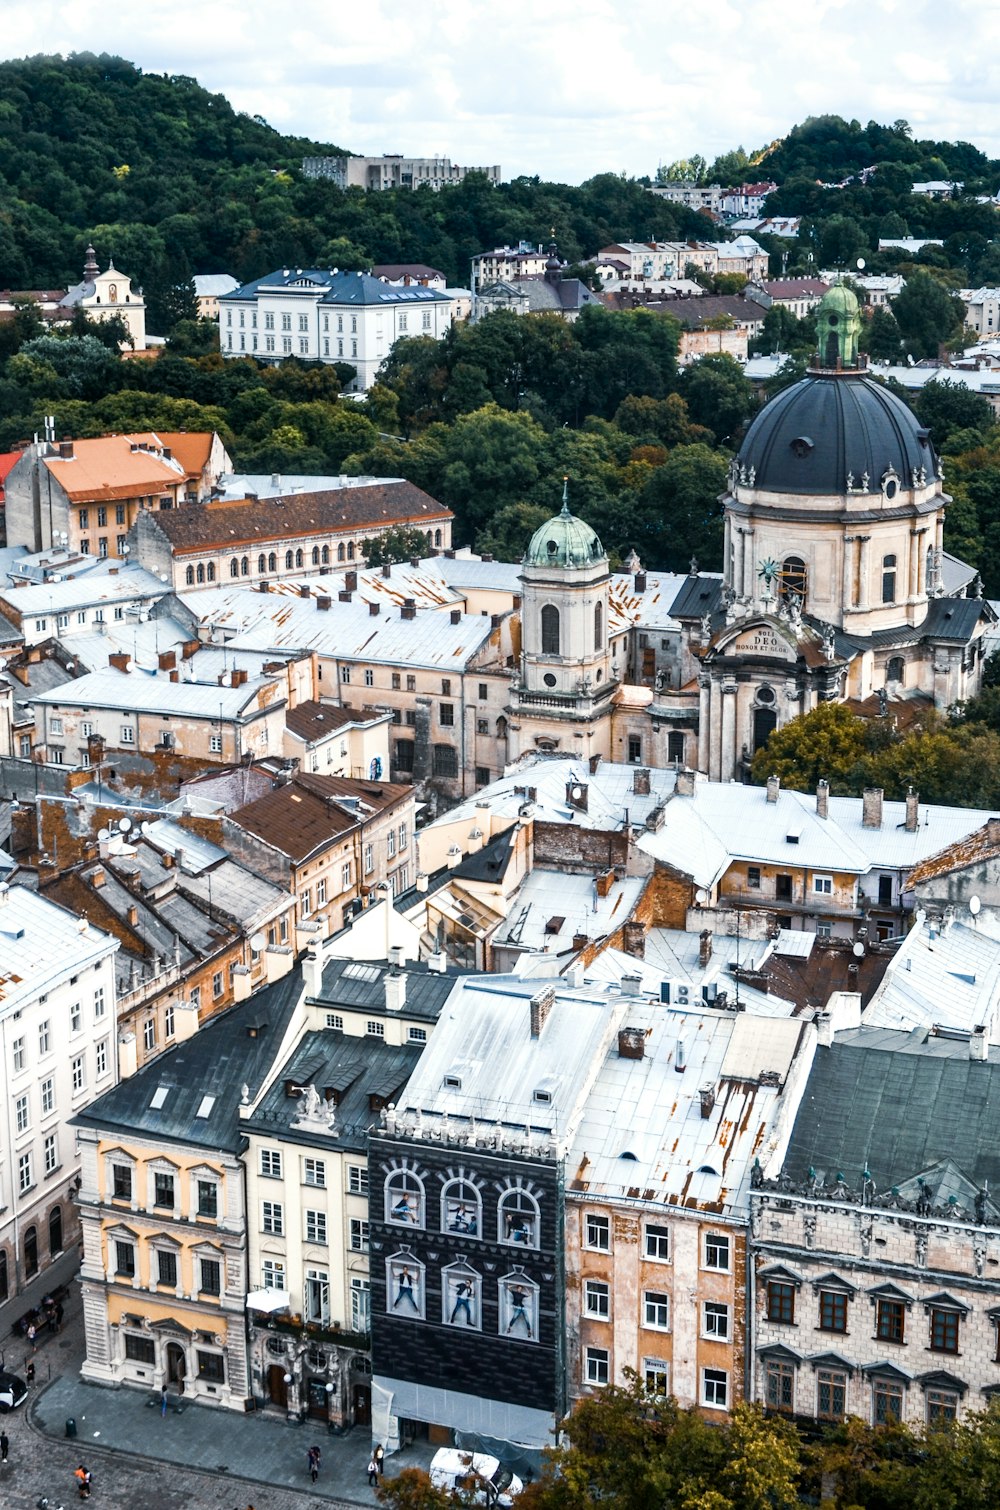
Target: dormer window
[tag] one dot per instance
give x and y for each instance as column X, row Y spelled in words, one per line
column 453, row 1082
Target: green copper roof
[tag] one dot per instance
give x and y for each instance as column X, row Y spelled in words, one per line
column 564, row 541
column 838, row 327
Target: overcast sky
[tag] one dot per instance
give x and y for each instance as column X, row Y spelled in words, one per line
column 560, row 90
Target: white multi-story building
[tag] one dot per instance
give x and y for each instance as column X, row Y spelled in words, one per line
column 392, row 171
column 328, row 316
column 57, row 1051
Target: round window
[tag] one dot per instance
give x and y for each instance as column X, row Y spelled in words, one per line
column 890, row 488
column 552, row 546
column 765, row 695
column 549, row 679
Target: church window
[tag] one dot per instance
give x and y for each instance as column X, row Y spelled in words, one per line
column 765, row 696
column 675, row 747
column 550, row 630
column 895, row 671
column 793, row 579
column 598, row 626
column 888, row 579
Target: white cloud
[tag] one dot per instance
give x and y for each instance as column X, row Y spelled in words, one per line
column 563, row 92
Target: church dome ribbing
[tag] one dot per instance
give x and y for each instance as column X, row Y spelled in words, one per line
column 564, row 540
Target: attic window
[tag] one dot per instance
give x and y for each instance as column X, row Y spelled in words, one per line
column 542, row 1096
column 159, row 1096
column 802, row 445
column 205, row 1106
column 707, row 1169
column 627, row 1155
column 793, row 836
column 453, row 1082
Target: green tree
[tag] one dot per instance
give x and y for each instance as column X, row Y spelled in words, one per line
column 411, row 1489
column 718, row 394
column 398, row 544
column 927, row 314
column 679, row 513
column 829, row 742
column 508, row 532
column 946, row 407
column 881, row 337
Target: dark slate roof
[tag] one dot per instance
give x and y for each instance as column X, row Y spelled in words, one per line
column 899, row 1103
column 489, row 863
column 356, row 1068
column 810, row 436
column 215, row 1062
column 952, row 619
column 229, row 525
column 359, row 986
column 406, row 269
column 700, row 595
column 335, row 288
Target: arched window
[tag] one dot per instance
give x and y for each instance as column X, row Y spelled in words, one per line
column 518, row 1318
column 299, row 558
column 289, row 560
column 550, row 630
column 404, row 1286
column 888, row 579
column 200, row 573
column 437, row 538
column 764, row 723
column 31, row 1252
column 234, row 567
column 461, row 1209
column 793, row 580
column 461, row 1297
column 517, row 1219
column 315, row 555
column 262, row 563
column 430, row 541
column 895, row 671
column 244, row 566
column 404, row 1199
column 341, row 551
column 272, row 561
column 55, row 1231
column 501, row 727
column 326, row 555
column 350, row 550
column 598, row 626
column 210, row 571
column 189, row 576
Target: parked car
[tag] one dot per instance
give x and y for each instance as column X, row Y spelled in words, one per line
column 13, row 1391
column 476, row 1476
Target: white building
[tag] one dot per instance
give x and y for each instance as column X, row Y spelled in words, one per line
column 392, row 171
column 107, row 295
column 57, row 1051
column 328, row 316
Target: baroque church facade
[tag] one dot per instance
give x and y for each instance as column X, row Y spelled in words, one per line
column 835, row 587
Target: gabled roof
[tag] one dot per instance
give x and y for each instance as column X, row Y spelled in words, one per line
column 201, row 1078
column 359, row 985
column 315, row 720
column 310, row 813
column 230, row 524
column 112, row 467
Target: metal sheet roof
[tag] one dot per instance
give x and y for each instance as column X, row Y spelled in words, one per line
column 139, row 692
column 40, row 944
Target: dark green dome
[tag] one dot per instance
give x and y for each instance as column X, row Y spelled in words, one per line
column 564, row 540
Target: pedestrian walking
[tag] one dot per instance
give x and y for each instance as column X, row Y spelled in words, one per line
column 4, row 1446
column 372, row 1472
column 32, row 1337
column 314, row 1456
column 84, row 1479
column 379, row 1456
column 163, row 1401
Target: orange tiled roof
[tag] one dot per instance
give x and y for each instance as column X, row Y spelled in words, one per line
column 110, row 468
column 191, row 448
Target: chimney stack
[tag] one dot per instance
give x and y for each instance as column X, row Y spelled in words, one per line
column 822, row 798
column 824, row 1029
column 773, row 788
column 640, row 581
column 541, row 1006
column 912, row 810
column 707, row 1095
column 680, row 1057
column 595, row 763
column 119, row 660
column 979, row 1044
column 631, row 985
column 323, row 603
column 312, row 972
column 387, row 569
column 456, row 615
column 409, row 609
column 640, row 781
column 395, row 983
column 704, row 947
column 631, row 1043
column 684, row 784
column 871, row 807
column 374, row 609
column 634, row 939
column 351, row 581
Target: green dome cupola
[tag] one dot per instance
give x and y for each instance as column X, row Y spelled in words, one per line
column 838, row 328
column 564, row 541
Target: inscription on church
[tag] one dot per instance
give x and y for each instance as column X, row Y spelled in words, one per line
column 762, row 640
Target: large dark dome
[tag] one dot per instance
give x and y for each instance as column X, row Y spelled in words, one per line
column 828, row 426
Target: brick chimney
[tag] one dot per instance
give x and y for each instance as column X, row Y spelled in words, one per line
column 409, row 609
column 631, row 1043
column 374, row 609
column 822, row 797
column 773, row 788
column 541, row 1006
column 387, row 569
column 684, row 784
column 604, row 882
column 323, row 603
column 167, row 660
column 595, row 765
column 640, row 581
column 912, row 810
column 707, row 1097
column 351, row 581
column 871, row 807
column 640, row 781
column 344, row 596
column 239, row 678
column 704, row 947
column 456, row 615
column 119, row 660
column 634, row 939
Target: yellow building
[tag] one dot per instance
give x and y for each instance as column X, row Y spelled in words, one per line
column 162, row 1208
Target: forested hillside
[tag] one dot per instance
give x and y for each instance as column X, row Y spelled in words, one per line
column 171, row 181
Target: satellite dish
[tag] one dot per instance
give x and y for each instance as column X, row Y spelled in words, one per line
column 860, row 264
column 125, row 824
column 974, row 905
column 859, row 950
column 701, row 896
column 104, row 834
column 257, row 942
column 144, row 828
